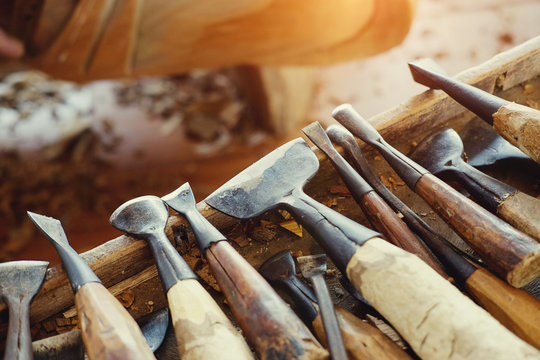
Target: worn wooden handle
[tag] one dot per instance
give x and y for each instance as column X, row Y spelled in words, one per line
column 520, row 125
column 108, row 331
column 362, row 341
column 384, row 219
column 523, row 212
column 437, row 320
column 202, row 330
column 516, row 309
column 511, row 254
column 270, row 325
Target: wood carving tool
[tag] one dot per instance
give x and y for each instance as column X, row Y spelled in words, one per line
column 379, row 214
column 435, row 318
column 511, row 254
column 268, row 322
column 313, row 267
column 519, row 124
column 69, row 345
column 515, row 308
column 108, row 330
column 20, row 281
column 202, row 330
column 362, row 341
column 442, row 154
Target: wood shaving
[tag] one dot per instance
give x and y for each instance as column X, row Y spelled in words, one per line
column 340, row 190
column 330, row 202
column 293, row 227
column 285, row 214
column 126, row 298
column 528, row 89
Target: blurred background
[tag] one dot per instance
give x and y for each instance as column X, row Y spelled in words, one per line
column 76, row 151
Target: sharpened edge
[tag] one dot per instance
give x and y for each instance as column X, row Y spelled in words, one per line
column 427, row 72
column 50, row 227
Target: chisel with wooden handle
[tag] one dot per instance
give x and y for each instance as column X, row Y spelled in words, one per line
column 362, row 341
column 432, row 315
column 511, row 254
column 515, row 308
column 108, row 331
column 518, row 124
column 267, row 321
column 379, row 214
column 202, row 330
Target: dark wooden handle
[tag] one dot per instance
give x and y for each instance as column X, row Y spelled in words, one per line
column 269, row 324
column 435, row 318
column 202, row 329
column 523, row 212
column 362, row 341
column 508, row 252
column 516, row 309
column 108, row 331
column 384, row 219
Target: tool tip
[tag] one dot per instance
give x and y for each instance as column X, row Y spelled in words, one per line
column 140, row 216
column 181, row 199
column 50, row 227
column 343, row 108
column 426, row 72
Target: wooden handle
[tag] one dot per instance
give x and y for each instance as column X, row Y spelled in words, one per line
column 270, row 325
column 384, row 219
column 436, row 319
column 362, row 341
column 510, row 253
column 523, row 212
column 520, row 125
column 108, row 331
column 202, row 330
column 516, row 309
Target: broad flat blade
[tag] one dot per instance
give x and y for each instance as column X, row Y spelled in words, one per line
column 439, row 151
column 264, row 184
column 50, row 227
column 21, row 278
column 140, row 216
column 312, row 265
column 484, row 146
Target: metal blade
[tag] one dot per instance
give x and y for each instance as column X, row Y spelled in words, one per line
column 265, row 183
column 50, row 227
column 140, row 216
column 312, row 265
column 439, row 151
column 22, row 278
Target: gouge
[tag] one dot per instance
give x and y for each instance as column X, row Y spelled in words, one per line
column 108, row 331
column 511, row 254
column 442, row 154
column 20, row 281
column 313, row 267
column 435, row 318
column 514, row 308
column 202, row 330
column 362, row 341
column 518, row 124
column 379, row 214
column 267, row 321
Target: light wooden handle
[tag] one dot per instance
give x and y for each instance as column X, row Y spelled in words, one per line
column 520, row 125
column 202, row 330
column 516, row 309
column 436, row 319
column 362, row 341
column 523, row 212
column 108, row 331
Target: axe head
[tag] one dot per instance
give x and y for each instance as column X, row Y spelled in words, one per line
column 141, row 216
column 21, row 279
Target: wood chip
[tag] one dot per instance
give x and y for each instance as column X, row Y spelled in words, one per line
column 63, row 322
column 340, row 190
column 285, row 214
column 49, row 325
column 528, row 89
column 126, row 298
column 330, row 202
column 293, row 227
column 297, row 253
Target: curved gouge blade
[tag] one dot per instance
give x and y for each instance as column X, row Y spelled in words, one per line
column 154, row 327
column 510, row 253
column 442, row 152
column 20, row 282
column 77, row 269
column 193, row 310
